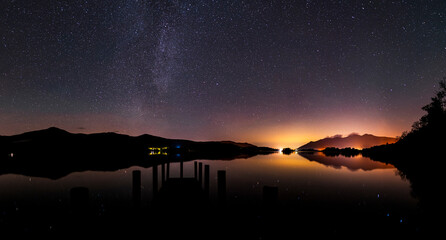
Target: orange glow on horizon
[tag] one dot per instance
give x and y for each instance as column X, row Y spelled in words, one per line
column 269, row 133
column 296, row 135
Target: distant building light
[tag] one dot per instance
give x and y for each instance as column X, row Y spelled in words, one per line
column 11, row 154
column 158, row 150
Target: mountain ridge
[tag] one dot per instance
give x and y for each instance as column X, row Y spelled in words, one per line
column 353, row 140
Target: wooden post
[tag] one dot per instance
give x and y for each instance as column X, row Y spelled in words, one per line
column 221, row 175
column 181, row 169
column 155, row 179
column 200, row 174
column 195, row 170
column 163, row 174
column 136, row 188
column 206, row 179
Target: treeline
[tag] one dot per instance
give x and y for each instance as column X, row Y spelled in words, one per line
column 426, row 138
column 348, row 152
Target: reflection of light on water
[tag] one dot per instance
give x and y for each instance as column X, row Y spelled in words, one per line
column 283, row 160
column 280, row 150
column 295, row 176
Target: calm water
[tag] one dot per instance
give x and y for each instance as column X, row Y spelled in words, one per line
column 308, row 182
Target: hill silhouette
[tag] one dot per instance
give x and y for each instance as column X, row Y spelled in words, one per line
column 54, row 153
column 351, row 141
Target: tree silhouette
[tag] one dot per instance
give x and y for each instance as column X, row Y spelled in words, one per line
column 426, row 136
column 432, row 125
column 435, row 110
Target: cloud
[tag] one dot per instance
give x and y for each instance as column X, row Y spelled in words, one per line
column 336, row 136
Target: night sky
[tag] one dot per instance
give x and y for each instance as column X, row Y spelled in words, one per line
column 272, row 73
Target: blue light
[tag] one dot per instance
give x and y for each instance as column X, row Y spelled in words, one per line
column 178, row 146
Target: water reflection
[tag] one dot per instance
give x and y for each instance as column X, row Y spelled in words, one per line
column 255, row 197
column 136, row 184
column 352, row 163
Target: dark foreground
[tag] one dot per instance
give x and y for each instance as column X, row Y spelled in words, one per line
column 183, row 207
column 184, row 211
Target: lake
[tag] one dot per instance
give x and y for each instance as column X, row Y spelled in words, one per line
column 314, row 191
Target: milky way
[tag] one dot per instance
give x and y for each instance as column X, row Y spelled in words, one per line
column 268, row 72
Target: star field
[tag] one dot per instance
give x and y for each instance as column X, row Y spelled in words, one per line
column 267, row 72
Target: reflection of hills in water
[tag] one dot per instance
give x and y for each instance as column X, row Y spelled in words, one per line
column 352, row 163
